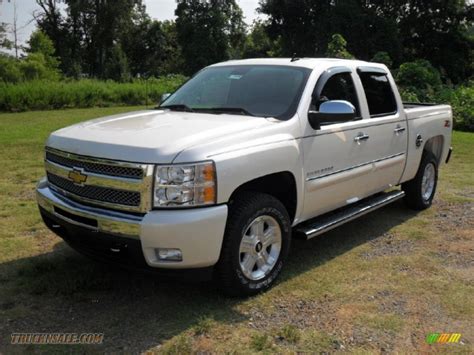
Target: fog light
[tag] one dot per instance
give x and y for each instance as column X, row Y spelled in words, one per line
column 169, row 254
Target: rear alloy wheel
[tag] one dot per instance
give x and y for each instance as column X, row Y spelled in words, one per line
column 421, row 190
column 256, row 244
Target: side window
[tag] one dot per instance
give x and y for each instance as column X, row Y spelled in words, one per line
column 379, row 93
column 340, row 87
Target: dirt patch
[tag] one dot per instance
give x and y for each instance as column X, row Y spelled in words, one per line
column 388, row 302
column 302, row 314
column 458, row 260
column 388, row 245
column 451, row 216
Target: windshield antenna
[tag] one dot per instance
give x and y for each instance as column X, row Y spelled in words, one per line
column 294, row 58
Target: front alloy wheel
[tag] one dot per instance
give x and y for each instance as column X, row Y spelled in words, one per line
column 260, row 247
column 256, row 244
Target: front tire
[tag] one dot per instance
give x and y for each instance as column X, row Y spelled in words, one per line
column 256, row 244
column 420, row 191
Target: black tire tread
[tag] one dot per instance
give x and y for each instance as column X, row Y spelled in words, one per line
column 244, row 202
column 412, row 188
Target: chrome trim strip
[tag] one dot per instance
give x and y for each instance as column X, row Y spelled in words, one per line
column 353, row 128
column 353, row 213
column 108, row 221
column 143, row 185
column 97, row 160
column 77, row 198
column 93, row 179
column 355, row 167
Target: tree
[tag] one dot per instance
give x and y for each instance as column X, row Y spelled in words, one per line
column 302, row 26
column 35, row 67
column 39, row 42
column 384, row 58
column 157, row 52
column 91, row 34
column 258, row 44
column 116, row 66
column 337, row 48
column 4, row 41
column 208, row 31
column 420, row 78
column 305, row 27
column 437, row 31
column 9, row 69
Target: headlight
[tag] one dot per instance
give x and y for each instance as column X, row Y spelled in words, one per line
column 185, row 185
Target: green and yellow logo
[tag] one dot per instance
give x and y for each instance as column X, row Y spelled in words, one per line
column 443, row 338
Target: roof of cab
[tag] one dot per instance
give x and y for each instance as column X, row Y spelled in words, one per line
column 310, row 63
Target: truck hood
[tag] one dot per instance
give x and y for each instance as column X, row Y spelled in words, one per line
column 152, row 136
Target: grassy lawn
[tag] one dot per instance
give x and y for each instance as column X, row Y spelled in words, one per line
column 381, row 283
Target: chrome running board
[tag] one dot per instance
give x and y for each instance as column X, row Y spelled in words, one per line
column 324, row 223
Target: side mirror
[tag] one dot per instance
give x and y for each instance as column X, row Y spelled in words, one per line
column 331, row 112
column 164, row 97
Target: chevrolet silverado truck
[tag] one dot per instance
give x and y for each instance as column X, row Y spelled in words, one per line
column 217, row 179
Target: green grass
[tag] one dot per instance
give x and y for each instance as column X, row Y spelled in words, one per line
column 42, row 95
column 382, row 282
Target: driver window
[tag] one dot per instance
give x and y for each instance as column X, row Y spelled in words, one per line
column 340, row 87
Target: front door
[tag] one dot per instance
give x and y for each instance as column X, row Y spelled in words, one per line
column 346, row 162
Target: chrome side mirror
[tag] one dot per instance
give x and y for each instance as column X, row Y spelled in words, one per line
column 330, row 112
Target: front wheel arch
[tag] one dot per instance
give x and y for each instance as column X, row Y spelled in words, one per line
column 281, row 185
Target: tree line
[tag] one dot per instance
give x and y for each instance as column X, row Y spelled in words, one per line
column 118, row 40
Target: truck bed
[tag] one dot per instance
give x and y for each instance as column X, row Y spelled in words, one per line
column 408, row 105
column 419, row 110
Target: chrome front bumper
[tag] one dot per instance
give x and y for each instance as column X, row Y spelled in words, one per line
column 106, row 221
column 198, row 233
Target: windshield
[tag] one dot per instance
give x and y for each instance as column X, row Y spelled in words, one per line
column 256, row 90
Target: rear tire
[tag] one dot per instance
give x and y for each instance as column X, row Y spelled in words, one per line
column 420, row 191
column 255, row 246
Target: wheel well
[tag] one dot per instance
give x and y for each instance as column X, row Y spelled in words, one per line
column 281, row 185
column 435, row 146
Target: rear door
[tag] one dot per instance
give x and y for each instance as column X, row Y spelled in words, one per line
column 388, row 127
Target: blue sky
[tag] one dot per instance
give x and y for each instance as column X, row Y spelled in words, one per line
column 158, row 9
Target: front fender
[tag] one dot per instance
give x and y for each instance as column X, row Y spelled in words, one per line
column 238, row 167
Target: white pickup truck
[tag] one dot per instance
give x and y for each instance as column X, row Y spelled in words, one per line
column 245, row 155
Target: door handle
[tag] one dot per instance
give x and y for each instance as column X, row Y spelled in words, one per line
column 399, row 130
column 361, row 137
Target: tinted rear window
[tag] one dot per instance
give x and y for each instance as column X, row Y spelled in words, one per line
column 379, row 93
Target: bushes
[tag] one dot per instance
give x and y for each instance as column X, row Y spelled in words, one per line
column 419, row 81
column 462, row 101
column 43, row 95
column 419, row 78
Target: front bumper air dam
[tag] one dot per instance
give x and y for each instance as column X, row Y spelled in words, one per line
column 197, row 232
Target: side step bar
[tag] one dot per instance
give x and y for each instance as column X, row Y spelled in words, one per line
column 325, row 223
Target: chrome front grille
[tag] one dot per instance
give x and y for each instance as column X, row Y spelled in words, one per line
column 107, row 183
column 103, row 194
column 97, row 168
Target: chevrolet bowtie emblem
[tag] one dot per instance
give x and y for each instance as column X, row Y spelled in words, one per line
column 77, row 177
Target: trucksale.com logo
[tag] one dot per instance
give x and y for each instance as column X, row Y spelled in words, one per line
column 443, row 338
column 56, row 338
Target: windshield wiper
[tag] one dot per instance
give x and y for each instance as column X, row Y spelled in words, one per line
column 179, row 107
column 237, row 110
